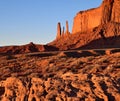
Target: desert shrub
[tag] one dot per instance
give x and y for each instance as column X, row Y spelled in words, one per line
column 74, row 70
column 9, row 57
column 117, row 65
column 28, row 72
column 103, row 60
column 52, row 69
column 34, row 75
column 14, row 75
column 77, row 63
column 90, row 58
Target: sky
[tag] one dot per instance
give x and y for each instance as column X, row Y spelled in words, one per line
column 24, row 21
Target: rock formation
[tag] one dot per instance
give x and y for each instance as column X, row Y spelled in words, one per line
column 115, row 17
column 83, row 75
column 62, row 34
column 58, row 30
column 66, row 76
column 28, row 48
column 67, row 29
column 89, row 19
column 93, row 28
column 106, row 11
column 98, row 25
column 85, row 20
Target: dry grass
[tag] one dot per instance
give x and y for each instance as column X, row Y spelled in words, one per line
column 65, row 76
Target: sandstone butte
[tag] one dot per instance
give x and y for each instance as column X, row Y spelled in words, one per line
column 93, row 28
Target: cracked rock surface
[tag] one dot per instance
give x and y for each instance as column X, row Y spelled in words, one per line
column 61, row 77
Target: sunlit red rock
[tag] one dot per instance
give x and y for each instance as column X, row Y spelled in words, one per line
column 94, row 28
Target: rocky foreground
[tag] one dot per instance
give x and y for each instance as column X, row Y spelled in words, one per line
column 62, row 76
column 93, row 28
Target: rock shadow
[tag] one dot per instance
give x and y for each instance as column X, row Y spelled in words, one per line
column 103, row 43
column 93, row 87
column 79, row 54
column 73, row 92
column 39, row 54
column 104, row 88
column 2, row 90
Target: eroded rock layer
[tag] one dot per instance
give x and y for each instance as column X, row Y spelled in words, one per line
column 108, row 11
column 103, row 36
column 28, row 48
column 66, row 76
column 94, row 28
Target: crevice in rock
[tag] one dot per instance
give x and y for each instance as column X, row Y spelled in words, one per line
column 104, row 88
column 2, row 90
column 33, row 99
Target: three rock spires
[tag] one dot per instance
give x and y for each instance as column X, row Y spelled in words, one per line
column 61, row 33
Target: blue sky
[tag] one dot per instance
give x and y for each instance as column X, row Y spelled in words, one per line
column 24, row 21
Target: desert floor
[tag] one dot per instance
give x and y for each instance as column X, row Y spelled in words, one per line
column 62, row 76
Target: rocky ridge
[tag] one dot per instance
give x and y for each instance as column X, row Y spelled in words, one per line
column 103, row 36
column 28, row 48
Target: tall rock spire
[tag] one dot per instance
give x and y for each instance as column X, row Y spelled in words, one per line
column 67, row 28
column 58, row 30
column 63, row 31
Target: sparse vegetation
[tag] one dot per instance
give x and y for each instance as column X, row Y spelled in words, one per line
column 60, row 74
column 10, row 57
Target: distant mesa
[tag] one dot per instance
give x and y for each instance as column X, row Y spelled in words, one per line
column 28, row 48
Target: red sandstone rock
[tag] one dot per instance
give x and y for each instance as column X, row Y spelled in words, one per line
column 28, row 48
column 94, row 28
column 67, row 29
column 89, row 19
column 62, row 34
column 64, row 76
column 58, row 31
column 60, row 77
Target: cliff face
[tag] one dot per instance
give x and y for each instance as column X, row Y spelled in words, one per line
column 86, row 20
column 115, row 17
column 99, row 25
column 107, row 6
column 103, row 36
